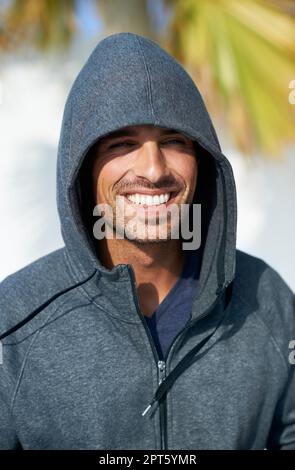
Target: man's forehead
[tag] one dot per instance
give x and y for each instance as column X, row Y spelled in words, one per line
column 136, row 130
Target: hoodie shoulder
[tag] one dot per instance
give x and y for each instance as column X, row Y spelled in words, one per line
column 265, row 292
column 251, row 270
column 26, row 289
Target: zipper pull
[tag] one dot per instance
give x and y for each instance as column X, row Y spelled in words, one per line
column 149, row 407
column 162, row 374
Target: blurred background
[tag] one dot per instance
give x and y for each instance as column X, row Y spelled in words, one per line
column 241, row 55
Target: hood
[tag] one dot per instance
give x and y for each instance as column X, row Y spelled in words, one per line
column 130, row 80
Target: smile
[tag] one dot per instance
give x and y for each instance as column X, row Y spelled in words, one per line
column 148, row 200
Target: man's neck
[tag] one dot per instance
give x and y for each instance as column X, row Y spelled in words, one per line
column 157, row 266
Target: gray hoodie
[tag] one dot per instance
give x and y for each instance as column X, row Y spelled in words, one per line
column 78, row 365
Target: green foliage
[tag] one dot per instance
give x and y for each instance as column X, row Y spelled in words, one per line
column 242, row 55
column 45, row 23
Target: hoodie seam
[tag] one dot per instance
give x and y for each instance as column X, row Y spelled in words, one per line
column 21, row 372
column 72, row 273
column 23, row 365
column 149, row 84
column 93, row 301
column 272, row 337
column 70, row 269
column 68, row 265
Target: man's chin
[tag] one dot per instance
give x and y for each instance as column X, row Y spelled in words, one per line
column 148, row 241
column 144, row 236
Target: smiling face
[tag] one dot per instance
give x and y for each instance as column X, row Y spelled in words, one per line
column 141, row 172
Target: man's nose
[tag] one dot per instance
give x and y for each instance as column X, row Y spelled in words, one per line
column 150, row 162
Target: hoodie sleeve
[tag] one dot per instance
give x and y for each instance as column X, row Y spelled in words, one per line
column 282, row 434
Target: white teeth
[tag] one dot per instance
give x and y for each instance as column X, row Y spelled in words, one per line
column 148, row 200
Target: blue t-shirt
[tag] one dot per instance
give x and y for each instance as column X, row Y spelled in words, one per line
column 175, row 309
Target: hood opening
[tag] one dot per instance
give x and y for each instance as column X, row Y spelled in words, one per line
column 205, row 193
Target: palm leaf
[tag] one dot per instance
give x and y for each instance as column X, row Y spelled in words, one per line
column 242, row 55
column 42, row 22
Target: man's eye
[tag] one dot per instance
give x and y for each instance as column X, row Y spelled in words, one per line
column 174, row 141
column 117, row 145
column 120, row 144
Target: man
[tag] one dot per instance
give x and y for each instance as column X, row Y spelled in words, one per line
column 141, row 340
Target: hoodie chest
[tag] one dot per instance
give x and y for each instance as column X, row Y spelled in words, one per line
column 87, row 388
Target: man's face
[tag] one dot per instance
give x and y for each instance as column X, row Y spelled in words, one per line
column 141, row 172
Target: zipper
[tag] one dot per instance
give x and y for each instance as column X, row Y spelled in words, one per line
column 182, row 333
column 162, row 371
column 161, row 365
column 162, row 405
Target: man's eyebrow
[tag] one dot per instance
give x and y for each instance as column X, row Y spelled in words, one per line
column 133, row 132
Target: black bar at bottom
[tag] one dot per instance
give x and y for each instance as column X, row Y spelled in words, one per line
column 135, row 459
